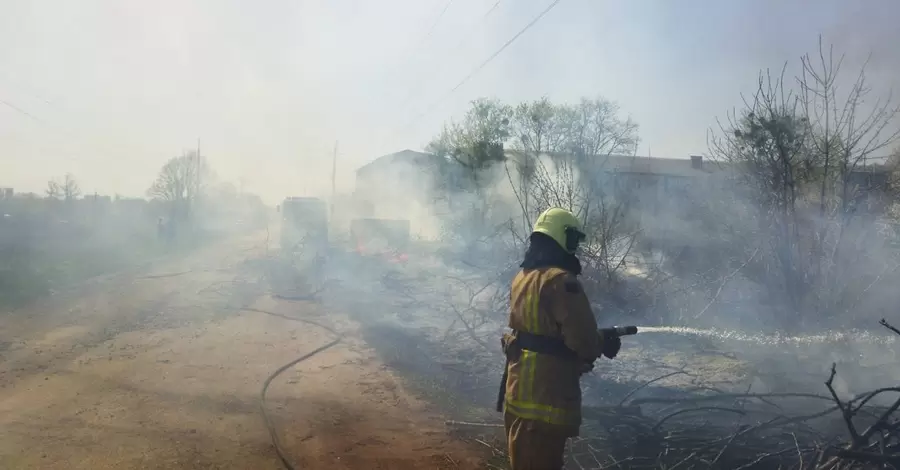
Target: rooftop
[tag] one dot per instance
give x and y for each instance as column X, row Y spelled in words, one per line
column 408, row 157
column 652, row 165
column 613, row 163
column 661, row 166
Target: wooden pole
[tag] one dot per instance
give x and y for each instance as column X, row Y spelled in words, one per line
column 333, row 179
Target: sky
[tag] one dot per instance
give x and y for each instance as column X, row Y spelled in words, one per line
column 108, row 90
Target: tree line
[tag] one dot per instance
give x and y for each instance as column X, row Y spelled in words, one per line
column 805, row 162
column 812, row 158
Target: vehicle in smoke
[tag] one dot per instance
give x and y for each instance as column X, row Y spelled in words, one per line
column 381, row 237
column 304, row 227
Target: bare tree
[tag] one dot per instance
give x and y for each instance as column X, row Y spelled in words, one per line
column 564, row 150
column 538, row 127
column 768, row 144
column 537, row 132
column 70, row 189
column 562, row 158
column 557, row 156
column 849, row 131
column 180, row 182
column 54, row 190
column 845, row 135
column 799, row 155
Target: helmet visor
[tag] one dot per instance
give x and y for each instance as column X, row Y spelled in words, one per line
column 574, row 237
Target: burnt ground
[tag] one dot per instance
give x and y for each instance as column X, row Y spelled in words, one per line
column 417, row 329
column 162, row 368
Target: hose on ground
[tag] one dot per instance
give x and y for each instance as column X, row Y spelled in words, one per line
column 262, row 393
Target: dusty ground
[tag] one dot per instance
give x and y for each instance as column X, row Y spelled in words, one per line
column 162, row 369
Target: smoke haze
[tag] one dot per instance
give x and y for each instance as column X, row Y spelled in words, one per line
column 110, row 90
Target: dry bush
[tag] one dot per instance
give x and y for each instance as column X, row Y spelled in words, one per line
column 800, row 161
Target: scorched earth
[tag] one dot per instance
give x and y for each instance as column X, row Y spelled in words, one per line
column 161, row 367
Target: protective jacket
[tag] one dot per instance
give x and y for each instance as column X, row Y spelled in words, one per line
column 550, row 312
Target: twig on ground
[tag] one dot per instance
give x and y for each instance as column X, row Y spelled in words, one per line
column 629, row 394
column 724, row 283
column 163, row 276
column 887, row 325
column 466, row 423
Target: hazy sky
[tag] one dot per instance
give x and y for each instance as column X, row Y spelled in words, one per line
column 109, row 89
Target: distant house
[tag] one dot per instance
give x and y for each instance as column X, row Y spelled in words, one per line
column 661, row 192
column 652, row 182
column 656, row 181
column 401, row 168
column 870, row 187
column 410, row 175
column 393, row 182
column 96, row 198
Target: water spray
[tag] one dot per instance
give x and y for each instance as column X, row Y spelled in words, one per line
column 775, row 339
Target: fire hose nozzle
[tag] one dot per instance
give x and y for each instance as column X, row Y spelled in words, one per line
column 618, row 331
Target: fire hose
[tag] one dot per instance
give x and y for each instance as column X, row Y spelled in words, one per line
column 276, row 443
column 614, row 332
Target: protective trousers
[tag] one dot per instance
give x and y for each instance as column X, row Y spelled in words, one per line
column 534, row 445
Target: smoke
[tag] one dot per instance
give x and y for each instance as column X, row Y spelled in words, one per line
column 269, row 90
column 694, row 280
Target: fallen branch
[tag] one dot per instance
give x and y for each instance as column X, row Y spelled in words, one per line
column 163, row 276
column 451, row 422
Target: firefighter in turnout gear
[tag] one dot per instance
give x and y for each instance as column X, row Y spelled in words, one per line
column 554, row 340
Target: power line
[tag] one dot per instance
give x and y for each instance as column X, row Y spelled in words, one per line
column 437, row 20
column 20, row 110
column 67, row 136
column 420, row 45
column 424, row 41
column 487, row 61
column 458, row 46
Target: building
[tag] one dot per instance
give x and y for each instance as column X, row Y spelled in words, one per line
column 397, row 178
column 402, row 169
column 649, row 183
column 870, row 191
column 662, row 193
column 389, row 185
column 654, row 182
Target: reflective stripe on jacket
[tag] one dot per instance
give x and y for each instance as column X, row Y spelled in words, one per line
column 550, row 302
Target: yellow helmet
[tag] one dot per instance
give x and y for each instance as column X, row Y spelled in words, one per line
column 562, row 226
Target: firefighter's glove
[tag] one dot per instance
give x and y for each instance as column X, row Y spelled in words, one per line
column 611, row 346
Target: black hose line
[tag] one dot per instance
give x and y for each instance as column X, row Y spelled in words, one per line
column 262, row 394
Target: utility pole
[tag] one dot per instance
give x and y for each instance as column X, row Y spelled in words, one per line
column 198, row 164
column 196, row 191
column 333, row 179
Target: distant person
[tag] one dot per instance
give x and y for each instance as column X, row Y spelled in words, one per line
column 554, row 341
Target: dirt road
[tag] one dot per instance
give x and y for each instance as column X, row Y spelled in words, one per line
column 163, row 368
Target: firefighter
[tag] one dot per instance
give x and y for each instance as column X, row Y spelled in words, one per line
column 554, row 340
